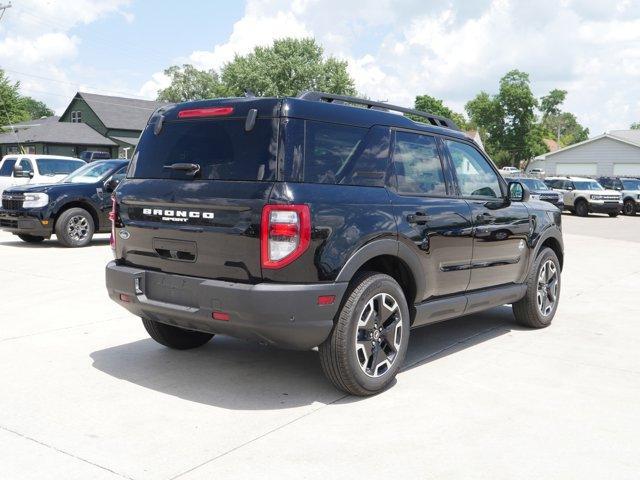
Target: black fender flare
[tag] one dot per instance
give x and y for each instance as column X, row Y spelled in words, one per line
column 551, row 232
column 391, row 247
column 65, row 202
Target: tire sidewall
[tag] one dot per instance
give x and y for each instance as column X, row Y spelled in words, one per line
column 582, row 210
column 627, row 210
column 63, row 221
column 383, row 284
column 547, row 254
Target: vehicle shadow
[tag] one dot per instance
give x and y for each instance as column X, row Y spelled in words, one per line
column 52, row 243
column 242, row 375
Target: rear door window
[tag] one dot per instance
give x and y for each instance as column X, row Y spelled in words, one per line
column 417, row 165
column 222, row 149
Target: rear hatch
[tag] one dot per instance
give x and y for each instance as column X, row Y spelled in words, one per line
column 193, row 197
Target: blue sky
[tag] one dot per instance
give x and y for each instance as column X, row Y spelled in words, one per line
column 396, row 49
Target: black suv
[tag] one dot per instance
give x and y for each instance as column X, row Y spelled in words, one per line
column 323, row 221
column 74, row 208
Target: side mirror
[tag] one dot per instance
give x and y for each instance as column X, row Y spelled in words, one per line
column 569, row 188
column 112, row 183
column 19, row 172
column 518, row 192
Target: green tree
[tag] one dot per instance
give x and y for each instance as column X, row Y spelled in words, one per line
column 11, row 108
column 288, row 67
column 635, row 126
column 189, row 83
column 508, row 120
column 35, row 108
column 550, row 104
column 427, row 103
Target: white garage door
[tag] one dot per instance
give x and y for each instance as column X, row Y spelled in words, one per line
column 632, row 169
column 576, row 169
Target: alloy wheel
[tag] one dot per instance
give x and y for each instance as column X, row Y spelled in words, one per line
column 78, row 228
column 547, row 288
column 378, row 335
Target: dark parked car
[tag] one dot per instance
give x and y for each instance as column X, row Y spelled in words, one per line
column 540, row 191
column 91, row 156
column 309, row 222
column 74, row 209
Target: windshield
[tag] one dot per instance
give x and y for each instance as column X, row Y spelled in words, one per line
column 54, row 166
column 590, row 185
column 91, row 173
column 534, row 183
column 631, row 184
column 221, row 148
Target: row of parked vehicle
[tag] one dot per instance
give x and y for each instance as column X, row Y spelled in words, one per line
column 44, row 195
column 582, row 196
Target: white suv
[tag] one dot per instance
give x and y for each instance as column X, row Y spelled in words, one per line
column 22, row 169
column 583, row 196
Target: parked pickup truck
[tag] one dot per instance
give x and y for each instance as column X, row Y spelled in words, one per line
column 31, row 169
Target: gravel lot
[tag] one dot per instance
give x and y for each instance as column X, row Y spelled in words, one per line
column 87, row 395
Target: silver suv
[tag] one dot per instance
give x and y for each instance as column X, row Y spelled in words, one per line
column 583, row 196
column 630, row 190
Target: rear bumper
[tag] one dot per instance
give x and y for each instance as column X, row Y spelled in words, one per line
column 18, row 223
column 284, row 315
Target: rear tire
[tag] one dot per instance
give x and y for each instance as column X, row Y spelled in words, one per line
column 629, row 207
column 75, row 228
column 30, row 238
column 582, row 209
column 538, row 307
column 175, row 337
column 369, row 340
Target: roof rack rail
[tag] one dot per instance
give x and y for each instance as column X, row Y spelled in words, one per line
column 436, row 120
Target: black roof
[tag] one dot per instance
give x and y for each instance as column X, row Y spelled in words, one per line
column 334, row 112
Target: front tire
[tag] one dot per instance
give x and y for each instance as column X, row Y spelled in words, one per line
column 175, row 337
column 613, row 214
column 369, row 340
column 75, row 228
column 31, row 238
column 582, row 209
column 538, row 307
column 629, row 207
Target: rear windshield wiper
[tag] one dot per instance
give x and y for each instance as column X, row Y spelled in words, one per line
column 189, row 168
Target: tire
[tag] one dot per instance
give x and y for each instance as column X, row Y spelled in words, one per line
column 629, row 207
column 370, row 367
column 175, row 337
column 30, row 238
column 582, row 209
column 75, row 228
column 528, row 311
column 613, row 215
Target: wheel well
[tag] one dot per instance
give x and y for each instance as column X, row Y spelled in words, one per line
column 396, row 268
column 84, row 206
column 554, row 245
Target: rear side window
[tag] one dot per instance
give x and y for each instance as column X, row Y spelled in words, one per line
column 7, row 167
column 222, row 149
column 417, row 165
column 345, row 155
column 54, row 166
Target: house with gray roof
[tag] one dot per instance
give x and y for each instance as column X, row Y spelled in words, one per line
column 90, row 122
column 613, row 153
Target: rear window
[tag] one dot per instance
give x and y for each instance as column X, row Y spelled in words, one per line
column 54, row 166
column 222, row 149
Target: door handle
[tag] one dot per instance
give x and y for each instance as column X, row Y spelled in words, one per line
column 419, row 218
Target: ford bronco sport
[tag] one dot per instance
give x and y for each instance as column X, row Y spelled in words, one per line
column 583, row 196
column 323, row 221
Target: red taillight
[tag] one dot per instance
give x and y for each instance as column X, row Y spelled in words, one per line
column 326, row 299
column 205, row 112
column 285, row 233
column 224, row 317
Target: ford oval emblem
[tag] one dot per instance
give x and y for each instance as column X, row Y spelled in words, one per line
column 124, row 234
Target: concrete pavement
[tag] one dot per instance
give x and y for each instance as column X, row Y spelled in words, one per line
column 86, row 393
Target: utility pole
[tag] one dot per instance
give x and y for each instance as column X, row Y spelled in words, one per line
column 3, row 8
